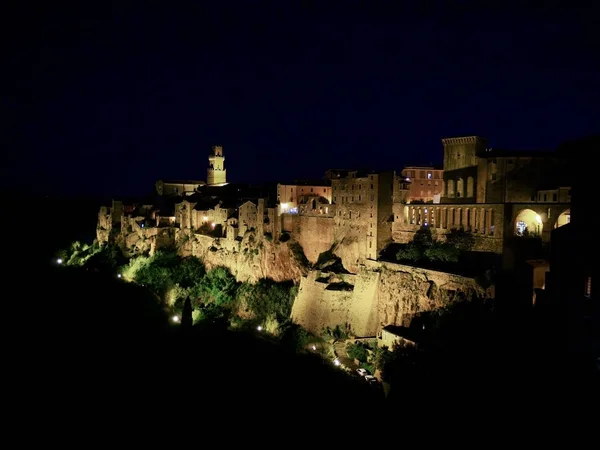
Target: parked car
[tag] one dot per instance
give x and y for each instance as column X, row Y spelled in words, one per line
column 370, row 379
column 362, row 372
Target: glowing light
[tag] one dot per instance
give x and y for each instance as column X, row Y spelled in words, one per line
column 59, row 261
column 259, row 328
column 119, row 275
column 212, row 224
column 205, row 218
column 175, row 319
column 336, row 362
column 538, row 219
column 314, row 347
column 284, row 206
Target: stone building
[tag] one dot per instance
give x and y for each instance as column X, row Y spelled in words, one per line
column 178, row 187
column 363, row 208
column 195, row 213
column 308, row 195
column 493, row 194
column 216, row 173
column 424, row 183
column 216, row 176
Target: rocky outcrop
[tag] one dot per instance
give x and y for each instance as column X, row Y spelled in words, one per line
column 405, row 291
column 379, row 294
column 249, row 259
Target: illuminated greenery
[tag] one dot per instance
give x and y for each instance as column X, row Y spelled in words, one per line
column 268, row 299
column 424, row 247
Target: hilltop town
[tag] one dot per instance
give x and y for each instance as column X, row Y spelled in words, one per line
column 349, row 229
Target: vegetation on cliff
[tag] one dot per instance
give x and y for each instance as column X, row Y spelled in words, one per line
column 424, row 247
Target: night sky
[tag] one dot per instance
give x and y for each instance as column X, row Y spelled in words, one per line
column 104, row 100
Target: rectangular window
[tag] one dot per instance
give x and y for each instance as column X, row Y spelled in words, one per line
column 429, row 175
column 554, row 197
column 372, row 197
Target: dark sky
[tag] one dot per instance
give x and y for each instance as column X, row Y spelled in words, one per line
column 105, row 99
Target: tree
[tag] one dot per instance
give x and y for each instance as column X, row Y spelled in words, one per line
column 186, row 314
column 217, row 287
column 461, row 239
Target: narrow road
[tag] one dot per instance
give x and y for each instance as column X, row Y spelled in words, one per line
column 340, row 351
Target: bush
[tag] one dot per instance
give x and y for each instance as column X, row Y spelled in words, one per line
column 358, row 351
column 268, row 298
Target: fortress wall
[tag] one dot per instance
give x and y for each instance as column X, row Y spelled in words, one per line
column 314, row 233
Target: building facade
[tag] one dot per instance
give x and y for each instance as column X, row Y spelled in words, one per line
column 494, row 194
column 363, row 209
column 425, row 183
column 308, row 196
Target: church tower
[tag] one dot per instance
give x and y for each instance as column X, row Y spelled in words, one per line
column 216, row 173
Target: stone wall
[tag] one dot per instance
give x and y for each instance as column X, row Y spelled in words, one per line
column 379, row 294
column 314, row 233
column 327, row 300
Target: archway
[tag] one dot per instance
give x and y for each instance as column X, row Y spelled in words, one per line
column 528, row 223
column 563, row 219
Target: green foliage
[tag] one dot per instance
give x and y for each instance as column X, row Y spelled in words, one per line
column 218, row 287
column 440, row 251
column 461, row 239
column 189, row 272
column 294, row 336
column 268, row 298
column 336, row 333
column 166, row 274
column 358, row 351
column 94, row 257
column 424, row 248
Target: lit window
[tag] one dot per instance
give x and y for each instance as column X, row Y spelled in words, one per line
column 429, row 175
column 588, row 287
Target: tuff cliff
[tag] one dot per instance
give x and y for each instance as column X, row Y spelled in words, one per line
column 248, row 259
column 378, row 294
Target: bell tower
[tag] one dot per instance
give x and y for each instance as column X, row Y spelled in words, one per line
column 216, row 173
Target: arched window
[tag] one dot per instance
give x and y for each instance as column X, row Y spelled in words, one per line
column 470, row 187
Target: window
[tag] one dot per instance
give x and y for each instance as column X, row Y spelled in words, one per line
column 372, row 197
column 371, row 186
column 554, row 197
column 545, row 197
column 588, row 287
column 429, row 175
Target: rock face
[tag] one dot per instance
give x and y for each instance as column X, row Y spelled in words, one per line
column 374, row 295
column 249, row 259
column 405, row 291
column 379, row 294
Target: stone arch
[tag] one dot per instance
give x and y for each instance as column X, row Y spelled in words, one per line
column 450, row 188
column 460, row 188
column 563, row 218
column 528, row 222
column 470, row 187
